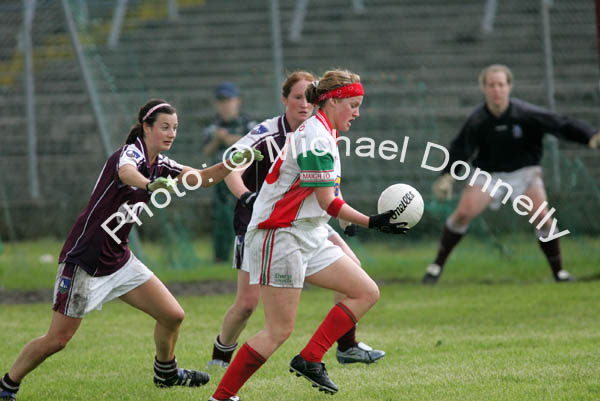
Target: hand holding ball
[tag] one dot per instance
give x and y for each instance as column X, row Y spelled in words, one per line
column 405, row 201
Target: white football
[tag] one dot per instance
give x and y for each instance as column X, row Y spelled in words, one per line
column 405, row 201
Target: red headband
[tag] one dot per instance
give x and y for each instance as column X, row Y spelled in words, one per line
column 350, row 90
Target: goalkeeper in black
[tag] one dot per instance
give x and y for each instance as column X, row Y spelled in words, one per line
column 503, row 137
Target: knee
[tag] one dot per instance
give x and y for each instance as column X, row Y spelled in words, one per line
column 174, row 317
column 246, row 306
column 462, row 216
column 281, row 333
column 370, row 294
column 57, row 342
column 541, row 217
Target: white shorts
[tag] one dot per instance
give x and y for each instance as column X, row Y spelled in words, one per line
column 283, row 257
column 519, row 180
column 76, row 293
column 238, row 250
column 330, row 230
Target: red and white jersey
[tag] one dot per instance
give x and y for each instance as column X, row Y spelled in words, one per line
column 309, row 159
column 268, row 137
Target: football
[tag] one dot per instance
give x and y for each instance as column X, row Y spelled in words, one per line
column 405, row 201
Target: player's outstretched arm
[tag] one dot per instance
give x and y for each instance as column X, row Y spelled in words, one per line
column 349, row 228
column 130, row 176
column 235, row 183
column 337, row 208
column 215, row 174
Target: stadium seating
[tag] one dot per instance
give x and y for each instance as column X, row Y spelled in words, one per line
column 418, row 60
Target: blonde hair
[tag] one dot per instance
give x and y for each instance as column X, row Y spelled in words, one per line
column 495, row 68
column 293, row 78
column 332, row 79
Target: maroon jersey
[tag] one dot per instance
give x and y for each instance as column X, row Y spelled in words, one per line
column 268, row 137
column 88, row 244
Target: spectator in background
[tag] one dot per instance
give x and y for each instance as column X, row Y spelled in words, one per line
column 227, row 128
column 504, row 136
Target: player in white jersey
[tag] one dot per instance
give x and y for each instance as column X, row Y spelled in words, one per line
column 286, row 243
column 269, row 137
column 96, row 265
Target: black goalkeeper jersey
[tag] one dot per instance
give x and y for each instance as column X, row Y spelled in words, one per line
column 513, row 140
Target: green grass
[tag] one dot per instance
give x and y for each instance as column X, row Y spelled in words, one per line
column 495, row 328
column 515, row 259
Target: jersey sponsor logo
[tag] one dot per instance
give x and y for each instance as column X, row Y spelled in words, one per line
column 261, row 129
column 64, row 285
column 517, row 131
column 317, row 176
column 133, row 154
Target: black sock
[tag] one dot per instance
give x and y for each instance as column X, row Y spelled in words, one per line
column 7, row 384
column 347, row 340
column 552, row 251
column 223, row 352
column 165, row 369
column 447, row 243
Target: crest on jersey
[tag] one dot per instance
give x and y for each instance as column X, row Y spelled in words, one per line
column 133, row 154
column 260, row 129
column 64, row 285
column 517, row 131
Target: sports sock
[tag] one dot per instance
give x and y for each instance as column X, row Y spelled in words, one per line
column 448, row 241
column 7, row 384
column 165, row 370
column 552, row 251
column 337, row 322
column 246, row 362
column 347, row 340
column 223, row 352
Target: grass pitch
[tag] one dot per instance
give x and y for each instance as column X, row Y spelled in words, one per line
column 495, row 328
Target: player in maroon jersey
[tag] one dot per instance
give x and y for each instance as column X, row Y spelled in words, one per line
column 96, row 265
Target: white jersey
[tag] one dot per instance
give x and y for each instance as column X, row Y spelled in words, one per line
column 309, row 159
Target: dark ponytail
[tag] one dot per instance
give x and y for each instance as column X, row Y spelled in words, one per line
column 134, row 132
column 137, row 131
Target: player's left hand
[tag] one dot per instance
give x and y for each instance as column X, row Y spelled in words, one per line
column 161, row 183
column 382, row 223
column 246, row 156
column 595, row 141
column 351, row 230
